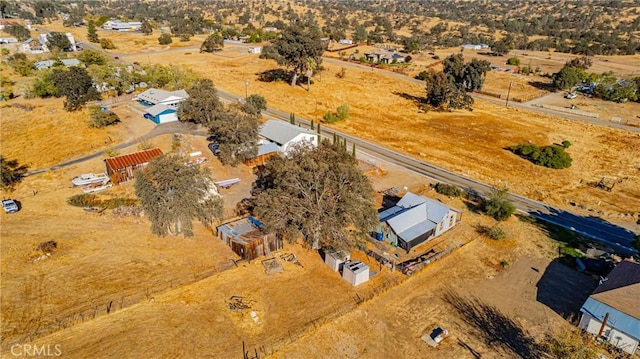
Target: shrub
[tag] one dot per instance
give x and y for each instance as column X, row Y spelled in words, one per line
column 342, row 73
column 107, row 44
column 423, row 75
column 165, row 39
column 553, row 156
column 566, row 144
column 513, row 61
column 496, row 233
column 448, row 189
column 101, row 118
column 342, row 112
column 497, row 205
column 84, row 200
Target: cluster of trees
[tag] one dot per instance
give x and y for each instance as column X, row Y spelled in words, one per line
column 73, row 83
column 213, row 42
column 553, row 156
column 235, row 131
column 449, row 88
column 18, row 31
column 606, row 85
column 11, row 173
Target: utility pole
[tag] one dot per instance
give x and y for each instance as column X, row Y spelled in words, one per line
column 508, row 92
column 246, row 89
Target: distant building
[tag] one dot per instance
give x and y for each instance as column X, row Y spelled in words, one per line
column 475, row 47
column 255, row 50
column 270, row 29
column 286, row 135
column 355, row 272
column 162, row 106
column 8, row 40
column 41, row 65
column 385, row 57
column 32, row 46
column 123, row 168
column 43, row 38
column 122, row 26
column 415, row 220
column 345, row 42
column 612, row 311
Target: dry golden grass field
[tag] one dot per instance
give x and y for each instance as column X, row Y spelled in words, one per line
column 166, row 296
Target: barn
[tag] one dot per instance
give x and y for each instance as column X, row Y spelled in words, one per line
column 122, row 168
column 247, row 238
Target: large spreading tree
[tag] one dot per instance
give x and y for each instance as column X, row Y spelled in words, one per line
column 76, row 85
column 213, row 42
column 300, row 48
column 58, row 40
column 173, row 194
column 318, row 194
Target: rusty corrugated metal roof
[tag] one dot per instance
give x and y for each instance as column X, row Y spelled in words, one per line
column 132, row 159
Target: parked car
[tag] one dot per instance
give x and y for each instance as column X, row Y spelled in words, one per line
column 10, row 205
column 571, row 95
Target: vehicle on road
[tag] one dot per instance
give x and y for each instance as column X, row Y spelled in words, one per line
column 10, row 205
column 571, row 95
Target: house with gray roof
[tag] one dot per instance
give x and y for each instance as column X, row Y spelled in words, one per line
column 161, row 106
column 384, row 57
column 41, row 65
column 286, row 135
column 415, row 220
column 612, row 311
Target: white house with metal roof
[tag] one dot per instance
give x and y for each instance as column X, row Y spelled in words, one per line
column 286, row 136
column 414, row 220
column 162, row 106
column 40, row 65
column 612, row 311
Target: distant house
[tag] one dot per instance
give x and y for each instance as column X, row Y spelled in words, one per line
column 475, row 46
column 286, row 135
column 162, row 106
column 8, row 40
column 612, row 311
column 122, row 168
column 255, row 50
column 247, row 238
column 346, row 42
column 41, row 65
column 385, row 57
column 414, row 220
column 43, row 38
column 122, row 26
column 31, row 46
column 269, row 29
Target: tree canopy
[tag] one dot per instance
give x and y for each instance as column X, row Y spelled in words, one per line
column 58, row 40
column 146, row 27
column 213, row 42
column 299, row 48
column 203, row 105
column 498, row 205
column 92, row 32
column 317, row 193
column 11, row 173
column 567, row 77
column 173, row 194
column 254, row 104
column 76, row 85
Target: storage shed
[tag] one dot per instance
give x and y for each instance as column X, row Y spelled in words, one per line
column 122, row 168
column 161, row 113
column 355, row 272
column 336, row 259
column 247, row 238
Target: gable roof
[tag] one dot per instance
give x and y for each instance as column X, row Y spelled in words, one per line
column 133, row 159
column 414, row 216
column 48, row 63
column 156, row 96
column 621, row 290
column 281, row 132
column 155, row 110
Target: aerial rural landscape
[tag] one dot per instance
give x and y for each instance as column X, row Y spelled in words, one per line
column 320, row 179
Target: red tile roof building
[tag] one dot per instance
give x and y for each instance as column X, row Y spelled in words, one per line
column 124, row 167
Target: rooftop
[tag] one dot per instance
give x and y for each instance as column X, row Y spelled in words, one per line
column 155, row 96
column 133, row 159
column 281, row 132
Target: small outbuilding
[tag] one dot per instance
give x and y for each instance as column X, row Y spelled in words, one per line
column 161, row 113
column 248, row 239
column 336, row 259
column 122, row 168
column 355, row 272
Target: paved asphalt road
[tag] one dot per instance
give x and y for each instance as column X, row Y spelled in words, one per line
column 613, row 235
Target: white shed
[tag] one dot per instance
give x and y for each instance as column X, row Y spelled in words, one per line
column 336, row 259
column 355, row 272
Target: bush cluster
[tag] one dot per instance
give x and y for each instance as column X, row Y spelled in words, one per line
column 342, row 112
column 101, row 118
column 448, row 189
column 92, row 200
column 552, row 156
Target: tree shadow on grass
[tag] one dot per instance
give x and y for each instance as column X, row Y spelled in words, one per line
column 417, row 100
column 274, row 75
column 546, row 86
column 493, row 327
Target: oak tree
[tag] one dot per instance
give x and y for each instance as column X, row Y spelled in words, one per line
column 11, row 173
column 76, row 85
column 213, row 42
column 318, row 194
column 58, row 40
column 92, row 32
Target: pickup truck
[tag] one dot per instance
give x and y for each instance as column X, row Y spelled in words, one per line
column 10, row 205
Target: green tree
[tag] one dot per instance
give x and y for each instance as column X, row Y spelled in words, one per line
column 146, row 28
column 92, row 57
column 317, row 193
column 568, row 77
column 237, row 136
column 173, row 194
column 553, row 156
column 298, row 44
column 76, row 85
column 99, row 118
column 21, row 33
column 498, row 205
column 514, row 61
column 213, row 42
column 254, row 104
column 442, row 92
column 11, row 173
column 203, row 105
column 165, row 39
column 23, row 65
column 44, row 85
column 58, row 40
column 107, row 44
column 92, row 32
column 171, row 76
column 360, row 34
